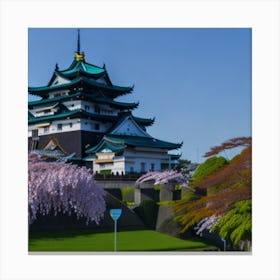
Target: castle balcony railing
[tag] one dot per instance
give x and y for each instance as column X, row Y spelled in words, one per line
column 118, row 177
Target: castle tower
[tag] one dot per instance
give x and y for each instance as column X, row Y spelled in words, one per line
column 79, row 115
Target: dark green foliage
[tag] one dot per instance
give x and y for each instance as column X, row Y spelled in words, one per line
column 184, row 162
column 236, row 225
column 190, row 196
column 166, row 203
column 157, row 187
column 147, row 211
column 127, row 194
column 208, row 167
column 177, row 188
column 106, row 172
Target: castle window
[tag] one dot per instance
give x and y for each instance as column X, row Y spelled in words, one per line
column 46, row 129
column 59, row 126
column 34, row 133
column 86, row 107
column 96, row 126
column 152, row 167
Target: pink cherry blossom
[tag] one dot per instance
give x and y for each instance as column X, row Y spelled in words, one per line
column 166, row 178
column 64, row 188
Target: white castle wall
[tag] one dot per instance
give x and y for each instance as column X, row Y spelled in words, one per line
column 69, row 125
column 117, row 166
column 133, row 161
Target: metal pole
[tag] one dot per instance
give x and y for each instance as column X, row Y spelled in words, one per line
column 115, row 243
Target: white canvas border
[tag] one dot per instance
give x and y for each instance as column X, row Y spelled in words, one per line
column 17, row 16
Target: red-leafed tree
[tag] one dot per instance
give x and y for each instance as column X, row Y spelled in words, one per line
column 226, row 187
column 230, row 144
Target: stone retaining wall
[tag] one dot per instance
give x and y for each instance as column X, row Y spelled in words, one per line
column 117, row 184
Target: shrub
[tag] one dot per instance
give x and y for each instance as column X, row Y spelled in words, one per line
column 130, row 203
column 236, row 225
column 208, row 167
column 177, row 188
column 157, row 187
column 127, row 194
column 106, row 172
column 166, row 203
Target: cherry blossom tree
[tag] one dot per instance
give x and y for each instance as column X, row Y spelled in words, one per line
column 166, row 178
column 62, row 187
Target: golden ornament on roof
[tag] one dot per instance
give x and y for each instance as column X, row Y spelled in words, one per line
column 79, row 56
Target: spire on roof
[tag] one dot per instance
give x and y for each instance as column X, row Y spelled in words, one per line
column 78, row 42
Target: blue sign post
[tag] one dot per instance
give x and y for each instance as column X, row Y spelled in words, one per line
column 115, row 214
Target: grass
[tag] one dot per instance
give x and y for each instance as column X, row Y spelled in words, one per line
column 102, row 241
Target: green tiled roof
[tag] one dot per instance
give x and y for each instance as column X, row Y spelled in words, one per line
column 91, row 97
column 80, row 81
column 72, row 113
column 144, row 121
column 51, row 102
column 175, row 157
column 66, row 113
column 82, row 66
column 135, row 141
column 89, row 157
column 103, row 86
column 114, row 147
column 143, row 141
column 63, row 115
column 52, row 88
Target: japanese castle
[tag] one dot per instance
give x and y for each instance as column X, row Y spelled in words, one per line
column 79, row 118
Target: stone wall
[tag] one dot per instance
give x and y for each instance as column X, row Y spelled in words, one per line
column 118, row 184
column 164, row 217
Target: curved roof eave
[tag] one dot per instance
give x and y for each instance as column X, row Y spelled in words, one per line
column 143, row 142
column 114, row 103
column 83, row 66
column 118, row 90
column 74, row 113
column 145, row 121
column 43, row 89
column 104, row 143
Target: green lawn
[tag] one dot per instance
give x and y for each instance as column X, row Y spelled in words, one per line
column 92, row 241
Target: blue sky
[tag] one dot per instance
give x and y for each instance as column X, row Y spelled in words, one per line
column 196, row 82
